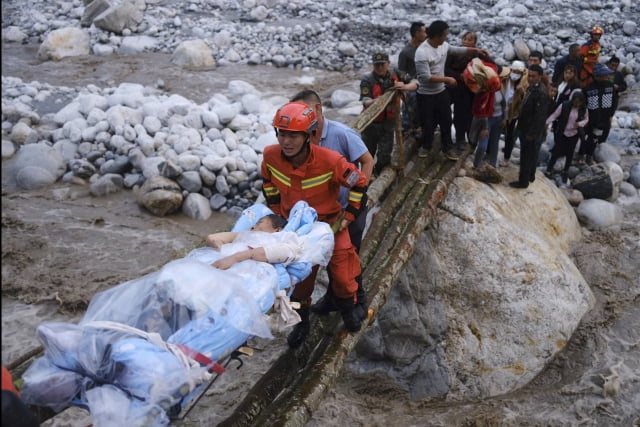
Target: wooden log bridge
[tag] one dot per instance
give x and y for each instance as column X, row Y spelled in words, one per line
column 295, row 385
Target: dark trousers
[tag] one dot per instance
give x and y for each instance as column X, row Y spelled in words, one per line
column 529, row 150
column 511, row 133
column 356, row 228
column 565, row 146
column 379, row 137
column 410, row 111
column 435, row 110
column 588, row 146
column 462, row 99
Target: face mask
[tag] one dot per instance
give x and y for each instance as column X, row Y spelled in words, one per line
column 515, row 76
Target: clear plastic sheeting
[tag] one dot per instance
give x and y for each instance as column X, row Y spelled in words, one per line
column 124, row 361
column 187, row 289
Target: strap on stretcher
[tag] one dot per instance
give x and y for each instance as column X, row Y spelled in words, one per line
column 211, row 365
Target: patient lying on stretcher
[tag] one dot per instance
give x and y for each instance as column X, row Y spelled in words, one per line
column 113, row 355
column 283, row 248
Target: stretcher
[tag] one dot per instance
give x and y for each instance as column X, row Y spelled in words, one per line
column 147, row 350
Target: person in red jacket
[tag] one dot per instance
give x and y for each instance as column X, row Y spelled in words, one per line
column 297, row 170
column 590, row 54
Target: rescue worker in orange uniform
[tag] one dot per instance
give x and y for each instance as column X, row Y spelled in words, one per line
column 297, row 170
column 14, row 411
column 590, row 54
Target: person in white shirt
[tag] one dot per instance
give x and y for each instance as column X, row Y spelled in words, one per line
column 434, row 106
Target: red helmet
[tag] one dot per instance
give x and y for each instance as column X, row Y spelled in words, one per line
column 295, row 116
column 597, row 30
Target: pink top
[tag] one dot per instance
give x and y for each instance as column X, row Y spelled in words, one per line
column 572, row 126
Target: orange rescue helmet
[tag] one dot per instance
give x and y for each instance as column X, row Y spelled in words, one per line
column 597, row 30
column 297, row 117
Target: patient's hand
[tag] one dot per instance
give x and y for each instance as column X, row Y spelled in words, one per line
column 224, row 263
column 231, row 260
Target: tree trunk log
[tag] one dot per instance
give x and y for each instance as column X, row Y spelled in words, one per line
column 289, row 392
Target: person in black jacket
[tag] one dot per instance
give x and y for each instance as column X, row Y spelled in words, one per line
column 570, row 119
column 572, row 58
column 531, row 125
column 619, row 85
column 601, row 104
column 460, row 95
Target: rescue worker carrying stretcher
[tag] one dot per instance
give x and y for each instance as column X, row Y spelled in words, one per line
column 297, row 170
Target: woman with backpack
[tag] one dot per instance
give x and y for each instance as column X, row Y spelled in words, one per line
column 572, row 116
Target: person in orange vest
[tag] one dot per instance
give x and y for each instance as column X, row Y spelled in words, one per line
column 379, row 135
column 297, row 170
column 590, row 54
column 343, row 139
column 14, row 412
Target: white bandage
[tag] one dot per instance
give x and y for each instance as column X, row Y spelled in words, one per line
column 284, row 253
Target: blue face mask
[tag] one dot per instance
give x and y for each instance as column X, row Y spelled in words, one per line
column 515, row 76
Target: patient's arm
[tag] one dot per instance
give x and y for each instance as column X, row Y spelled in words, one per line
column 286, row 252
column 256, row 254
column 216, row 240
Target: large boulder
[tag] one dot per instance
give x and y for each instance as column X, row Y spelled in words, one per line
column 13, row 34
column 521, row 49
column 599, row 214
column 38, row 165
column 488, row 298
column 106, row 184
column 341, row 98
column 193, row 54
column 197, row 206
column 64, row 42
column 118, row 17
column 595, row 182
column 92, row 10
column 160, row 196
column 634, row 175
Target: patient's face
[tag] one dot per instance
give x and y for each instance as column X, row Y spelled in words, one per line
column 264, row 224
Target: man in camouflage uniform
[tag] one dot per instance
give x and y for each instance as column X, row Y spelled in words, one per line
column 378, row 136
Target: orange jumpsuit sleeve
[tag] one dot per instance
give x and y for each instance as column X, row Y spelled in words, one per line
column 270, row 191
column 352, row 178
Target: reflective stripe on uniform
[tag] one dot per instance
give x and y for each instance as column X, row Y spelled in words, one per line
column 317, row 180
column 355, row 196
column 271, row 191
column 279, row 176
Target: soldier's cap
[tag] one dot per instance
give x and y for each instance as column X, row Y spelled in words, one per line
column 379, row 57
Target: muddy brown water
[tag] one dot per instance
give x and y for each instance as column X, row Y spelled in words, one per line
column 60, row 246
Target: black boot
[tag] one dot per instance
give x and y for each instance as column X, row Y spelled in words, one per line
column 349, row 312
column 362, row 309
column 326, row 304
column 300, row 330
